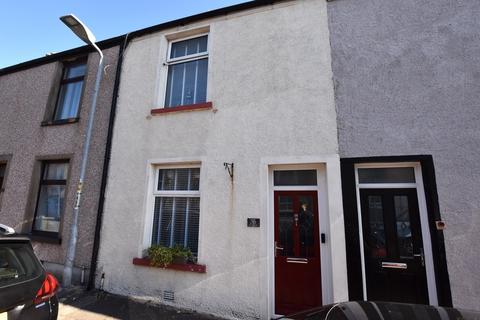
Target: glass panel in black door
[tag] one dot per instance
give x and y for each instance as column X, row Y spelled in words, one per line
column 375, row 243
column 393, row 246
column 404, row 232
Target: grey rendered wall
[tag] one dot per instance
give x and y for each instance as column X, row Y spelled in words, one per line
column 23, row 99
column 407, row 82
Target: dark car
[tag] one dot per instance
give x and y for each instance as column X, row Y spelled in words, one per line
column 27, row 291
column 366, row 310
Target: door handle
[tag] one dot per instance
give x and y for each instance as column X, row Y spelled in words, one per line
column 277, row 248
column 421, row 255
column 297, row 260
column 394, row 265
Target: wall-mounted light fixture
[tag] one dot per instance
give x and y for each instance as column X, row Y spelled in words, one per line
column 229, row 168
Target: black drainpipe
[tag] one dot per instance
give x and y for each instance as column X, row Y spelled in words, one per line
column 106, row 163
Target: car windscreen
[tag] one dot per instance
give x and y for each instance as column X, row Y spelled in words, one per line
column 17, row 264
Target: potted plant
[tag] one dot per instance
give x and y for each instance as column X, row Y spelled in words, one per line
column 161, row 256
column 181, row 255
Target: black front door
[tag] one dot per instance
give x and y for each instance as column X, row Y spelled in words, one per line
column 392, row 238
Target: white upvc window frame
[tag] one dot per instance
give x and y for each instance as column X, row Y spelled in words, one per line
column 154, row 192
column 189, row 57
column 184, row 59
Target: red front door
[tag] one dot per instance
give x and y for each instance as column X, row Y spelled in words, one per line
column 297, row 252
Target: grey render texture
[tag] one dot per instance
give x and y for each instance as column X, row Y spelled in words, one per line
column 407, row 79
column 24, row 96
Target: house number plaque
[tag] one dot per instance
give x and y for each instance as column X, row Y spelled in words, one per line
column 253, row 222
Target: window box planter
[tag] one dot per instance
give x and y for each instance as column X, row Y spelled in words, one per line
column 189, row 267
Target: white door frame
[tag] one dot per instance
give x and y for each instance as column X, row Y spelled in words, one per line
column 324, row 226
column 422, row 206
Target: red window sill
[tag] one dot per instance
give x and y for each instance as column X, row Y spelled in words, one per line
column 190, row 107
column 199, row 268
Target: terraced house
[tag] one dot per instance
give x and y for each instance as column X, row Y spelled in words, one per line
column 306, row 152
column 225, row 141
column 44, row 105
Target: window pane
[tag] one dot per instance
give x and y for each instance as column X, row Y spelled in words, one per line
column 375, row 240
column 17, row 264
column 404, row 232
column 75, row 71
column 187, row 179
column 285, row 225
column 49, row 209
column 306, row 221
column 164, row 206
column 175, row 85
column 179, row 222
column 69, row 100
column 187, row 83
column 188, row 47
column 386, row 175
column 55, row 171
column 176, row 221
column 183, row 179
column 295, row 178
column 191, row 71
column 201, row 82
column 193, row 225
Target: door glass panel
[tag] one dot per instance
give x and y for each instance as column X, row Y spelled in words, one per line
column 305, row 227
column 285, row 225
column 404, row 232
column 386, row 175
column 295, row 178
column 375, row 240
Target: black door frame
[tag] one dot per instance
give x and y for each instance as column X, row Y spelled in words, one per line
column 354, row 263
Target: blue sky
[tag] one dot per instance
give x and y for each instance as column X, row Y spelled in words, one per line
column 30, row 28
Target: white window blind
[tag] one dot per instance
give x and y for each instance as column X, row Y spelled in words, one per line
column 177, row 208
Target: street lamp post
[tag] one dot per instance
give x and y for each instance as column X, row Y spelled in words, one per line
column 87, row 36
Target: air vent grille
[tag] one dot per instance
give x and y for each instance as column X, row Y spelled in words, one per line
column 168, row 295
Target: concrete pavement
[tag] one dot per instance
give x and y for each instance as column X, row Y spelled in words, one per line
column 77, row 304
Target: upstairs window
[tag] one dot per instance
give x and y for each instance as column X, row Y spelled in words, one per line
column 51, row 197
column 70, row 92
column 187, row 72
column 176, row 212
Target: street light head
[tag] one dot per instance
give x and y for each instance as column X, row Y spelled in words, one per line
column 79, row 28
